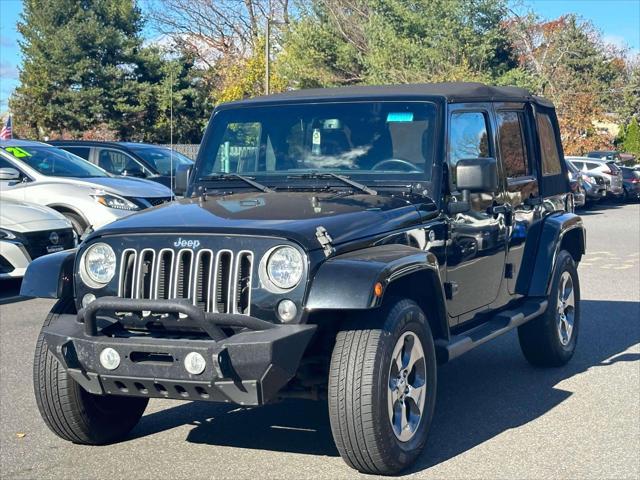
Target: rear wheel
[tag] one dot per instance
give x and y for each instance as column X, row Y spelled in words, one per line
column 550, row 340
column 70, row 411
column 382, row 389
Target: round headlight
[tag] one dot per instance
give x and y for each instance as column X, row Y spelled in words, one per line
column 100, row 263
column 284, row 267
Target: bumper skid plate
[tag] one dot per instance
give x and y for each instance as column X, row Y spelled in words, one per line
column 247, row 368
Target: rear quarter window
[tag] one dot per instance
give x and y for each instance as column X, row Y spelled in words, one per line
column 548, row 146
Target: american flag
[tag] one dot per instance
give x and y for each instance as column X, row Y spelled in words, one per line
column 6, row 133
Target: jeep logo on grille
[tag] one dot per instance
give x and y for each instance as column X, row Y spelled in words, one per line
column 182, row 243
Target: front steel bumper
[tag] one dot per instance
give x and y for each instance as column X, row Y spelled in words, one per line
column 247, row 368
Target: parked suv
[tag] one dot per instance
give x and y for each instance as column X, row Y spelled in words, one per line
column 607, row 168
column 82, row 192
column 130, row 159
column 335, row 244
column 592, row 183
column 631, row 179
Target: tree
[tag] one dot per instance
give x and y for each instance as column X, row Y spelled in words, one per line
column 225, row 38
column 82, row 68
column 571, row 65
column 631, row 141
column 342, row 42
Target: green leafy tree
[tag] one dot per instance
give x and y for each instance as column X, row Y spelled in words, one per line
column 631, row 142
column 82, row 68
column 341, row 42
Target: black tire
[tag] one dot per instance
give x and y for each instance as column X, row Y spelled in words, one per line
column 542, row 340
column 79, row 225
column 359, row 389
column 70, row 411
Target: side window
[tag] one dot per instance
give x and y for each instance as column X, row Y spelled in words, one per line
column 513, row 151
column 116, row 162
column 468, row 138
column 82, row 152
column 240, row 148
column 548, row 146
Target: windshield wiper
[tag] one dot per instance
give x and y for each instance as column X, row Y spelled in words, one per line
column 247, row 180
column 342, row 178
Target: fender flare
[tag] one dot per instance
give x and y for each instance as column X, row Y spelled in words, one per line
column 559, row 231
column 347, row 281
column 71, row 208
column 50, row 276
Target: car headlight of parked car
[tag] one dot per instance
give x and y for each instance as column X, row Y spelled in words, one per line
column 98, row 265
column 7, row 234
column 114, row 201
column 284, row 267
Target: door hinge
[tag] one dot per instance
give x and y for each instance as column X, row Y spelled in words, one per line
column 325, row 241
column 450, row 289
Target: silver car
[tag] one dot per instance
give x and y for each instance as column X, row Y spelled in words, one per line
column 85, row 194
column 28, row 231
column 607, row 168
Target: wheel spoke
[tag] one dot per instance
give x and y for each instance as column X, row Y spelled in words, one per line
column 414, row 356
column 417, row 394
column 403, row 417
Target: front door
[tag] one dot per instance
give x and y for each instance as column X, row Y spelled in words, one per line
column 477, row 239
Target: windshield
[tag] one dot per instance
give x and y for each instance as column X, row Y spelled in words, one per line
column 55, row 162
column 353, row 138
column 160, row 158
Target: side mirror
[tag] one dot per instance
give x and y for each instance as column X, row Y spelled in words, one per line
column 474, row 175
column 477, row 175
column 183, row 172
column 9, row 174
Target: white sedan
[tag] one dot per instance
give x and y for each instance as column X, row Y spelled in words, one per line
column 28, row 231
column 85, row 194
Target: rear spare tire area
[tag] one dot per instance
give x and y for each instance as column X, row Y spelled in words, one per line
column 382, row 388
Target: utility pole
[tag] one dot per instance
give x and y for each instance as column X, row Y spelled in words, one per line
column 267, row 53
column 267, row 57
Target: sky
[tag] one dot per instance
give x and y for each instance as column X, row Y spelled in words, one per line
column 619, row 21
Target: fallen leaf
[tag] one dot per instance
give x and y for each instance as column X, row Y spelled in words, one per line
column 21, row 434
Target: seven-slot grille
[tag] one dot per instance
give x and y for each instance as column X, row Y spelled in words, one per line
column 216, row 281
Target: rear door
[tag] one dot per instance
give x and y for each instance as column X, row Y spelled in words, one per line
column 519, row 175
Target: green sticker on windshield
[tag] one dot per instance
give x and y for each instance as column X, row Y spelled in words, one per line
column 17, row 152
column 400, row 117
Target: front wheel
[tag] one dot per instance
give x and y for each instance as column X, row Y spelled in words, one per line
column 71, row 412
column 550, row 340
column 382, row 389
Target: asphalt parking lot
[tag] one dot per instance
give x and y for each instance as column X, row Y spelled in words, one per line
column 496, row 417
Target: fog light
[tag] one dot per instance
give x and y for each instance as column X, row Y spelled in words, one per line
column 87, row 299
column 109, row 358
column 287, row 310
column 194, row 363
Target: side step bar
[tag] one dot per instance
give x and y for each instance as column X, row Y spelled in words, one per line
column 501, row 323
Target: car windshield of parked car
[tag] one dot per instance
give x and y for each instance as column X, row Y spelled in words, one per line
column 161, row 159
column 350, row 138
column 55, row 162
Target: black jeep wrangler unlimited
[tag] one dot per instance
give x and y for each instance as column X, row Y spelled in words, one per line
column 335, row 244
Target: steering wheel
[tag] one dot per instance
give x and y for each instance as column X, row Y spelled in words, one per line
column 408, row 166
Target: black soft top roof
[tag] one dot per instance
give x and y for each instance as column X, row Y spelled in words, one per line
column 449, row 92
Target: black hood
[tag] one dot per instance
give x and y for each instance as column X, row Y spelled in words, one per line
column 292, row 215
